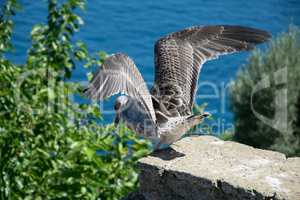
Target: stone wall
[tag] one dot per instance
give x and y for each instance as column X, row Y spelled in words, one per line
column 204, row 167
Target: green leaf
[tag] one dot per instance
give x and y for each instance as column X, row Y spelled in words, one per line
column 89, row 76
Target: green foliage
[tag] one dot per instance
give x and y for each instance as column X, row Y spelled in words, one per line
column 228, row 135
column 50, row 146
column 284, row 52
column 6, row 25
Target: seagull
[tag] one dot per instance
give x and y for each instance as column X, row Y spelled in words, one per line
column 164, row 114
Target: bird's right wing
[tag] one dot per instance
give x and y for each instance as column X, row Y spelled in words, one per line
column 180, row 55
column 119, row 74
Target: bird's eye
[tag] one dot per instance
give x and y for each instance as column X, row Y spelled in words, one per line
column 117, row 105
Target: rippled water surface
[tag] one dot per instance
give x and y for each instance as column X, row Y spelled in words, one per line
column 133, row 26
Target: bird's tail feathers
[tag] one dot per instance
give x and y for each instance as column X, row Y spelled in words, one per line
column 198, row 118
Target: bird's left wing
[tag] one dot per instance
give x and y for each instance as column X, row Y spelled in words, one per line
column 119, row 74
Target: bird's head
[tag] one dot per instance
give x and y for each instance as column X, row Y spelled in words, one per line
column 121, row 102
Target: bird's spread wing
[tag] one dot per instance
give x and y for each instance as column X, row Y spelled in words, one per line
column 119, row 74
column 180, row 55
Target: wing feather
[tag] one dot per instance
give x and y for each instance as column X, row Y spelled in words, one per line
column 179, row 57
column 119, row 74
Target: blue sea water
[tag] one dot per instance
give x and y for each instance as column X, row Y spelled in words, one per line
column 133, row 26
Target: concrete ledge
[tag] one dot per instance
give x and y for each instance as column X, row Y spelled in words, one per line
column 204, row 167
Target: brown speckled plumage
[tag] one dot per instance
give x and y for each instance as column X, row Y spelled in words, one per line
column 179, row 57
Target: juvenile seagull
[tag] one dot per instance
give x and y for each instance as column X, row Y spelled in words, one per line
column 164, row 115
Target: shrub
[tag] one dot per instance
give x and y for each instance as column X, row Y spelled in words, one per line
column 50, row 146
column 284, row 53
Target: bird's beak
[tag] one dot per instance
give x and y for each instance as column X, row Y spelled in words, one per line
column 117, row 119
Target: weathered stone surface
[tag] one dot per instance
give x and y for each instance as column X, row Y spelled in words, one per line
column 204, row 167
